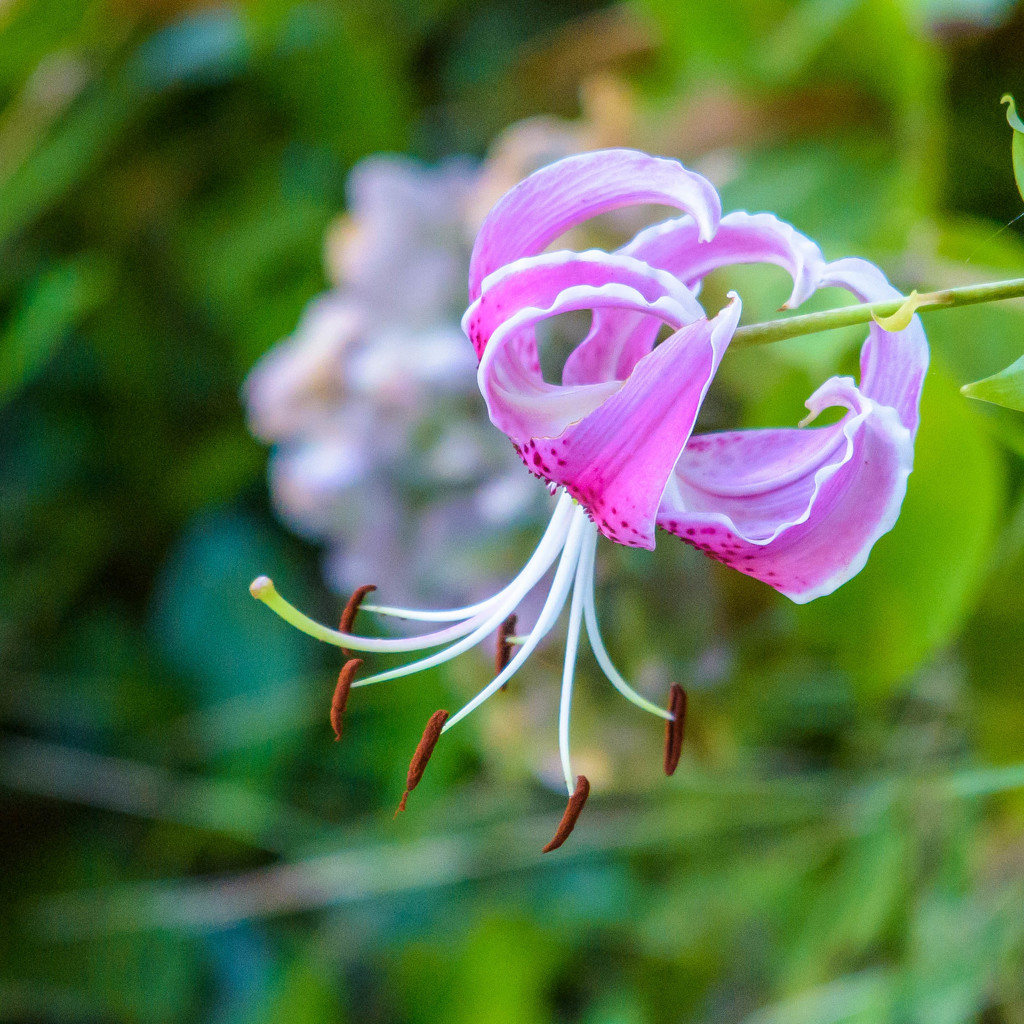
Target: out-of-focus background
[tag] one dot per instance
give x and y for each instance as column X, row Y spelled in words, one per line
column 183, row 186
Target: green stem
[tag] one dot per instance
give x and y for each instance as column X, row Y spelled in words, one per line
column 848, row 316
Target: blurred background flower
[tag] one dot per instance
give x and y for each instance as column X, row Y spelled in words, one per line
column 183, row 841
column 380, row 451
column 382, row 446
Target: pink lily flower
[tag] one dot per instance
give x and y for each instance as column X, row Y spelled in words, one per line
column 799, row 508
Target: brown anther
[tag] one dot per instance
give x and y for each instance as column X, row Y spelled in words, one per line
column 348, row 616
column 341, row 691
column 424, row 749
column 572, row 813
column 675, row 727
column 503, row 653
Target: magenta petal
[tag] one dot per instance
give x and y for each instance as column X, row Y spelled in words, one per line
column 741, row 238
column 502, row 321
column 618, row 339
column 535, row 282
column 616, row 461
column 892, row 363
column 798, row 509
column 563, row 194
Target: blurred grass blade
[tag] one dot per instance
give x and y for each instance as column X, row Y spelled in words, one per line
column 148, row 791
column 689, row 820
column 866, row 996
column 1017, row 149
column 196, row 51
column 54, row 303
column 1005, row 388
column 980, row 782
column 81, row 140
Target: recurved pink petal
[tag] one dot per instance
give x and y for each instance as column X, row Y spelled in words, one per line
column 618, row 339
column 563, row 194
column 616, row 460
column 502, row 322
column 673, row 245
column 799, row 509
column 535, row 282
column 892, row 363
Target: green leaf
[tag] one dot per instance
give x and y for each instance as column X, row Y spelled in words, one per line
column 1005, row 388
column 1017, row 149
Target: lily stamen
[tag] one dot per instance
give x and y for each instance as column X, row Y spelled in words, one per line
column 341, row 693
column 549, row 543
column 506, row 637
column 674, row 728
column 571, row 541
column 352, row 606
column 421, row 756
column 525, row 582
column 503, row 650
column 573, row 809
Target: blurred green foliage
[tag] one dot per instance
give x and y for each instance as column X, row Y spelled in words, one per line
column 183, row 842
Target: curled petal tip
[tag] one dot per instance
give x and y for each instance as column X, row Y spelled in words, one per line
column 261, row 587
column 733, row 302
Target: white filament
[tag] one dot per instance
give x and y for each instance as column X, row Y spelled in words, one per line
column 571, row 539
column 597, row 644
column 560, row 588
column 572, row 643
column 483, row 625
column 559, row 520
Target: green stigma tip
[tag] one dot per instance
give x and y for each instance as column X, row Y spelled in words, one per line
column 261, row 587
